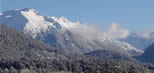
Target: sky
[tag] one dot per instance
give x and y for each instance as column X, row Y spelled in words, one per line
column 135, row 15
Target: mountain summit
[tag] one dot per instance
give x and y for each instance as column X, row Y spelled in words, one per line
column 31, row 22
column 59, row 32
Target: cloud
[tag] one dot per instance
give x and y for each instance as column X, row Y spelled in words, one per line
column 86, row 31
column 117, row 32
column 146, row 35
column 93, row 33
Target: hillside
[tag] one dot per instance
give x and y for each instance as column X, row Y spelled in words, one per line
column 16, row 45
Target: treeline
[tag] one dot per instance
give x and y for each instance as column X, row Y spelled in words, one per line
column 80, row 65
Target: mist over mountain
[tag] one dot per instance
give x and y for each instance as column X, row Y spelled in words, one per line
column 71, row 37
column 140, row 41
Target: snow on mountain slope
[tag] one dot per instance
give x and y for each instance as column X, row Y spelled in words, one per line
column 32, row 22
column 36, row 23
column 61, row 33
column 64, row 22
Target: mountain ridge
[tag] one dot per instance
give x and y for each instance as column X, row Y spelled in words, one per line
column 58, row 33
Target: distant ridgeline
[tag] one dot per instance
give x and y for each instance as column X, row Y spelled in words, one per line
column 148, row 55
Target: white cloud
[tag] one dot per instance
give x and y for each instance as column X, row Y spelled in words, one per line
column 117, row 32
column 146, row 34
column 92, row 33
column 87, row 31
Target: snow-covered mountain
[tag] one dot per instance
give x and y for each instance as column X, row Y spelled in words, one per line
column 31, row 22
column 62, row 33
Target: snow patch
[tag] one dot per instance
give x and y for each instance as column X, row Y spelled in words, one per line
column 36, row 23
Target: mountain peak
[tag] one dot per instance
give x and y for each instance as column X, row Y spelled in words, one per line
column 28, row 20
column 27, row 9
column 19, row 10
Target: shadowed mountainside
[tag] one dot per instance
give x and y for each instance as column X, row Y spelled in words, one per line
column 148, row 55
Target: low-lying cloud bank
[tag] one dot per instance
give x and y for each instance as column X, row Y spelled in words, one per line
column 117, row 32
column 114, row 31
column 91, row 33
